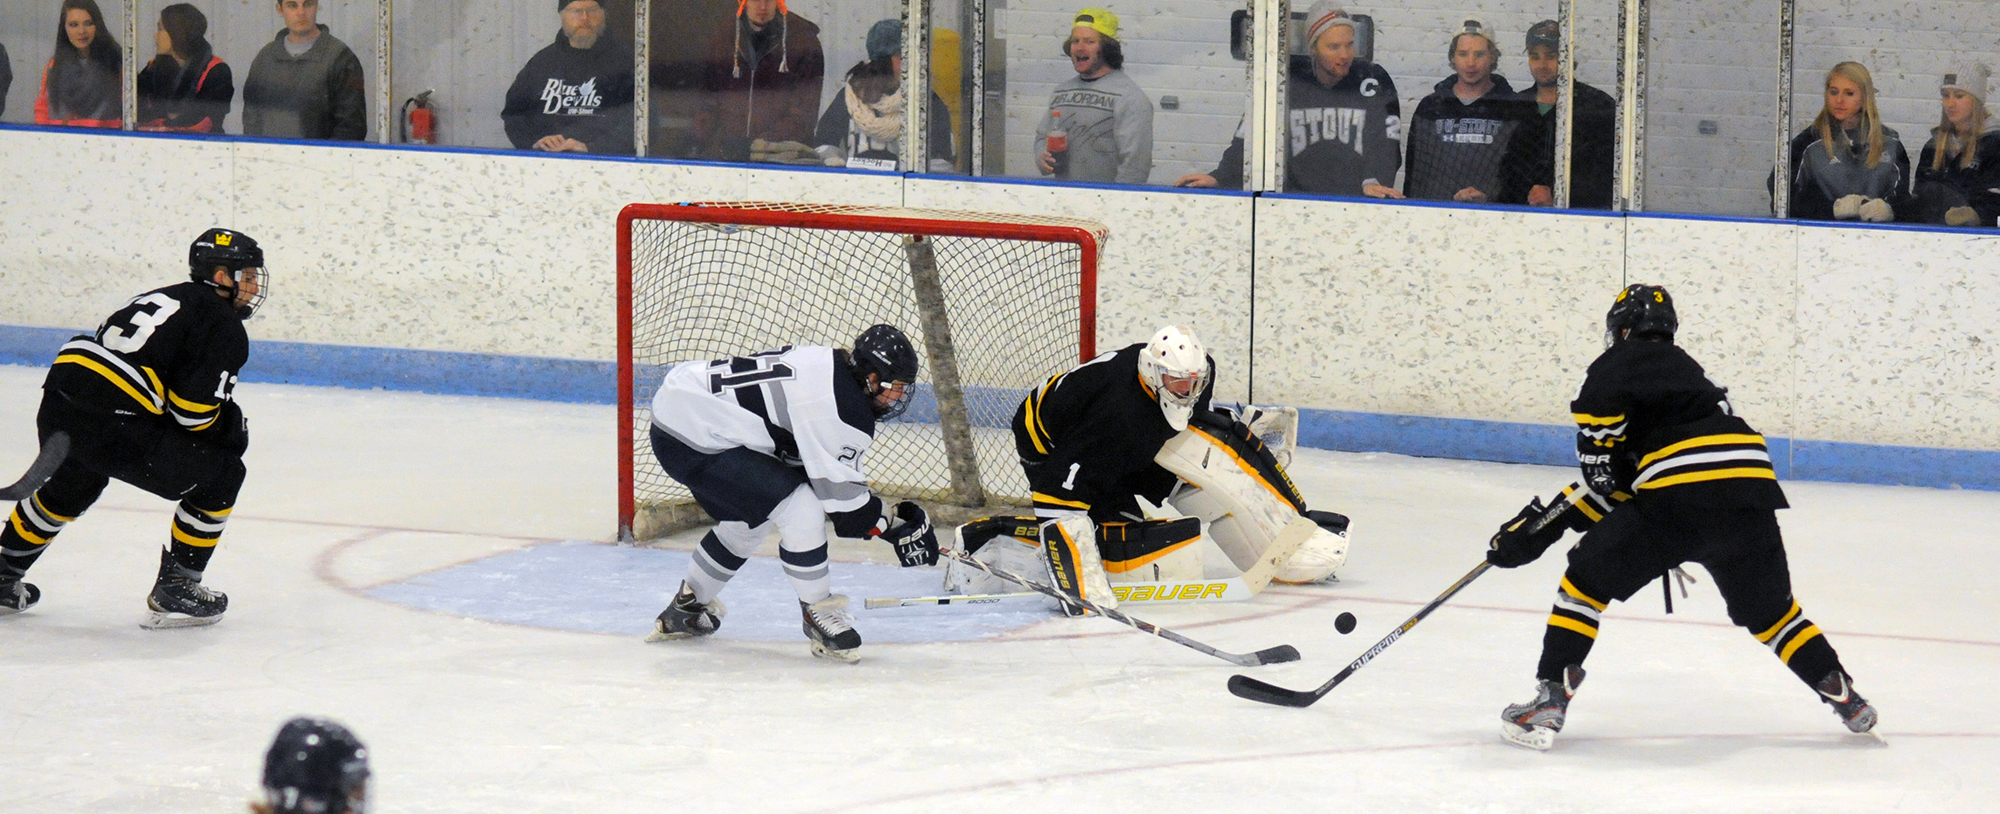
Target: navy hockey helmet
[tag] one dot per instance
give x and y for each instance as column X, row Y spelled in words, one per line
column 1641, row 311
column 240, row 255
column 886, row 352
column 316, row 766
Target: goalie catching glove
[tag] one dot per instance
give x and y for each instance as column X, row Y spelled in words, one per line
column 911, row 534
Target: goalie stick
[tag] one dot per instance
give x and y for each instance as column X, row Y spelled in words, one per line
column 1243, row 686
column 51, row 458
column 950, row 599
column 1271, row 655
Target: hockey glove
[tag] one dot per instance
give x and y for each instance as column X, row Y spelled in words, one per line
column 1514, row 545
column 916, row 543
column 231, row 432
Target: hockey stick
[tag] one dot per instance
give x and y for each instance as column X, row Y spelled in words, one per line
column 1243, row 686
column 952, row 599
column 1273, row 655
column 51, row 458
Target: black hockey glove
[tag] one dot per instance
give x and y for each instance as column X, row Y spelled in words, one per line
column 231, row 432
column 1514, row 545
column 910, row 532
column 1605, row 470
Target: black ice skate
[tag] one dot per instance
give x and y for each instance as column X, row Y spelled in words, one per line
column 1534, row 725
column 685, row 618
column 180, row 600
column 831, row 629
column 1837, row 690
column 15, row 595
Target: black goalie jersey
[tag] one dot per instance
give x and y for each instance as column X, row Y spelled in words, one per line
column 1087, row 438
column 173, row 353
column 1668, row 429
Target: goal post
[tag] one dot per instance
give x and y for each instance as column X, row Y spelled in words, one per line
column 995, row 304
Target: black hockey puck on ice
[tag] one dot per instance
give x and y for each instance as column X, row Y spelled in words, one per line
column 1344, row 623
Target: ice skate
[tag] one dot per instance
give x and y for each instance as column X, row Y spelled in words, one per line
column 17, row 596
column 831, row 629
column 180, row 600
column 1837, row 690
column 686, row 618
column 1534, row 725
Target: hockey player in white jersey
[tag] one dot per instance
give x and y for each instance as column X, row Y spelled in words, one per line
column 775, row 439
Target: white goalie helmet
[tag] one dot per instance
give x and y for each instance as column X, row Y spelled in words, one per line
column 1174, row 366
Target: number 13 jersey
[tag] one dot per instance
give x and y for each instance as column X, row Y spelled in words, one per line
column 800, row 405
column 174, row 352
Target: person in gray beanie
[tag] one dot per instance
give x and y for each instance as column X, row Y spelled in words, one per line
column 862, row 127
column 1958, row 173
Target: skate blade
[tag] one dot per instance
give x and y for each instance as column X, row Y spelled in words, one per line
column 1538, row 738
column 159, row 620
column 851, row 656
column 663, row 636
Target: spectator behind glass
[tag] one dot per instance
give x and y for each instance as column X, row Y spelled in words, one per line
column 574, row 96
column 1592, row 140
column 1958, row 173
column 1466, row 142
column 83, row 85
column 863, row 126
column 1108, row 119
column 761, row 80
column 1848, row 165
column 305, row 83
column 1344, row 119
column 186, row 88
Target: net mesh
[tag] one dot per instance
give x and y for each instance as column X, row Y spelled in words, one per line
column 706, row 291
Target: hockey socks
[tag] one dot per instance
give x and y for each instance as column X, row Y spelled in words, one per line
column 195, row 532
column 1797, row 642
column 27, row 534
column 1571, row 632
column 711, row 567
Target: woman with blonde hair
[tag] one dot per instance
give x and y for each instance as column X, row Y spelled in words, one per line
column 1847, row 165
column 1958, row 173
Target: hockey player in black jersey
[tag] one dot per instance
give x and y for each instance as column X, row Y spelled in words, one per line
column 775, row 440
column 148, row 400
column 1674, row 476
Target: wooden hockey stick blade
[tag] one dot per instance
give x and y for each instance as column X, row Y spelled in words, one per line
column 54, row 451
column 1249, row 688
column 950, row 599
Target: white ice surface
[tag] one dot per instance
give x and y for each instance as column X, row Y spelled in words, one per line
column 357, row 498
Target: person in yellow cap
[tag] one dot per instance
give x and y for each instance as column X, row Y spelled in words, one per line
column 1107, row 118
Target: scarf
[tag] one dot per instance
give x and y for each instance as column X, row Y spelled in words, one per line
column 883, row 121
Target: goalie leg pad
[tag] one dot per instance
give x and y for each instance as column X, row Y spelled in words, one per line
column 1247, row 501
column 1069, row 549
column 1151, row 551
column 1012, row 544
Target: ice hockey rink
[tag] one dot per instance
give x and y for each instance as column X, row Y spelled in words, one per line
column 437, row 572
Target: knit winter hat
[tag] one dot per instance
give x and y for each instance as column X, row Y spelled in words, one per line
column 563, row 4
column 1547, row 33
column 1323, row 16
column 1970, row 77
column 1100, row 20
column 885, row 38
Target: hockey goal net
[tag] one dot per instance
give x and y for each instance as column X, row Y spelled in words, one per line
column 994, row 303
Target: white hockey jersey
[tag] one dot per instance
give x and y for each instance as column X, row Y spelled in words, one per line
column 797, row 404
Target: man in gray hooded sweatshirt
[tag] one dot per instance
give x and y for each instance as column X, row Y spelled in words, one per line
column 306, row 83
column 1107, row 118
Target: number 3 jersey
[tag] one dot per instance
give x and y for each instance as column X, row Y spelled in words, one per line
column 173, row 353
column 1671, row 430
column 800, row 405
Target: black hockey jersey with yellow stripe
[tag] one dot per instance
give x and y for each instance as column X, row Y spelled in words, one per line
column 1084, row 433
column 1668, row 427
column 174, row 352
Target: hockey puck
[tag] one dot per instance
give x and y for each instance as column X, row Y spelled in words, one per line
column 1344, row 623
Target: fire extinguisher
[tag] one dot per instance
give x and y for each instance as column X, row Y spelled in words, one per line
column 419, row 120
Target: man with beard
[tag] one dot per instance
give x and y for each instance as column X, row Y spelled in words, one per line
column 574, row 96
column 1108, row 119
column 1592, row 134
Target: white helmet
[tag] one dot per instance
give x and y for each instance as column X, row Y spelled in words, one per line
column 1174, row 352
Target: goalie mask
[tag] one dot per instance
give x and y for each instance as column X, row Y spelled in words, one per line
column 1641, row 311
column 885, row 351
column 240, row 255
column 1175, row 367
column 316, row 766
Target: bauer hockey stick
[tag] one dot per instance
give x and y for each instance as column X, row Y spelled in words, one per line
column 951, row 599
column 1243, row 686
column 51, row 458
column 1271, row 655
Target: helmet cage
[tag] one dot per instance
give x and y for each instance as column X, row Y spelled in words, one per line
column 1174, row 352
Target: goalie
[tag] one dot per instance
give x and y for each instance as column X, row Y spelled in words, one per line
column 1107, row 444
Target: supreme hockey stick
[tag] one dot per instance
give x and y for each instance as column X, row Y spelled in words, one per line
column 1243, row 686
column 51, row 458
column 1271, row 655
column 950, row 599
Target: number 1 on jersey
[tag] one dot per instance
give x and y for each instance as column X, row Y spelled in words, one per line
column 1069, row 483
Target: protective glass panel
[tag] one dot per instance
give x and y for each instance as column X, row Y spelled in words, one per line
column 1171, row 111
column 1500, row 147
column 1710, row 99
column 533, row 78
column 1887, row 85
column 291, row 93
column 762, row 85
column 29, row 32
